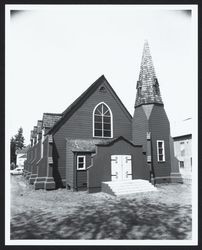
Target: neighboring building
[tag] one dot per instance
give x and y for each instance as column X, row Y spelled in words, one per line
column 96, row 140
column 183, row 147
column 21, row 156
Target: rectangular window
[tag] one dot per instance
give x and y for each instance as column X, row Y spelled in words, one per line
column 81, row 162
column 181, row 164
column 182, row 148
column 160, row 151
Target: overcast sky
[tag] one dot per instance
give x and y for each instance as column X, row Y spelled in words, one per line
column 53, row 54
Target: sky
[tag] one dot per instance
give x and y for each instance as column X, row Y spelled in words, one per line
column 54, row 53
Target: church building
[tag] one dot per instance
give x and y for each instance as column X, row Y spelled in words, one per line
column 95, row 144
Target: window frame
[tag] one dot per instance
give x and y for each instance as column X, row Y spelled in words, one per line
column 163, row 149
column 111, row 122
column 181, row 163
column 84, row 162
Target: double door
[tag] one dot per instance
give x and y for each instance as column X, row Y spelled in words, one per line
column 121, row 167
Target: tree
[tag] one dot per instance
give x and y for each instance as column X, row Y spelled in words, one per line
column 19, row 139
column 16, row 142
column 12, row 151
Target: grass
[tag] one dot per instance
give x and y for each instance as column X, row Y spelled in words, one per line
column 63, row 214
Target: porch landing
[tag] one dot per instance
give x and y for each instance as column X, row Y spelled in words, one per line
column 118, row 188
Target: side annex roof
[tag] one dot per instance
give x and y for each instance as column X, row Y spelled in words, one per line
column 81, row 99
column 89, row 145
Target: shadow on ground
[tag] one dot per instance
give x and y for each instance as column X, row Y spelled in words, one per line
column 123, row 219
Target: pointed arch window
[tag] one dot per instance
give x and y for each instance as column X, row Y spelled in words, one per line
column 102, row 121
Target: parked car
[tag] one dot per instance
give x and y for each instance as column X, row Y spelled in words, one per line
column 16, row 171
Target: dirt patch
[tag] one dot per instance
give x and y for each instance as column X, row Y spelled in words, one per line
column 63, row 214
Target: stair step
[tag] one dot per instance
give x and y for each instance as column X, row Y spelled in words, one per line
column 140, row 191
column 125, row 182
column 134, row 188
column 128, row 187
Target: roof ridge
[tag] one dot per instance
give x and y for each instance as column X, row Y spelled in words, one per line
column 102, row 77
column 87, row 93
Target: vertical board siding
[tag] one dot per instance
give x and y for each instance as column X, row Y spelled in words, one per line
column 79, row 125
column 160, row 128
column 101, row 170
column 140, row 127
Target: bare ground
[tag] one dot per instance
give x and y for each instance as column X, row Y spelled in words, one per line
column 63, row 214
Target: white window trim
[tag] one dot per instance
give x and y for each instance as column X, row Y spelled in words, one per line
column 84, row 161
column 163, row 146
column 111, row 121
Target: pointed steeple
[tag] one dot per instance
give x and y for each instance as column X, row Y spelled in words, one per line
column 148, row 91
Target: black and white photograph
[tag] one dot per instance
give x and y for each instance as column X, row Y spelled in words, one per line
column 101, row 124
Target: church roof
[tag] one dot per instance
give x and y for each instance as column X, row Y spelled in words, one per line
column 86, row 145
column 89, row 145
column 35, row 131
column 148, row 91
column 39, row 126
column 49, row 119
column 81, row 99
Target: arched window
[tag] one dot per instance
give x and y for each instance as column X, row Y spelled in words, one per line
column 102, row 121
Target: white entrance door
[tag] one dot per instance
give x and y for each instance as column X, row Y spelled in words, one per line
column 121, row 168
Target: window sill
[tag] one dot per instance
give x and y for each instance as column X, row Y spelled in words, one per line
column 100, row 137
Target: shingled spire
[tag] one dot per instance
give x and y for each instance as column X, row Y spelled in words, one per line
column 148, row 91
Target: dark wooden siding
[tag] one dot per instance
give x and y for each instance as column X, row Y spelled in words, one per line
column 140, row 127
column 79, row 125
column 37, row 154
column 160, row 130
column 81, row 175
column 32, row 159
column 69, row 166
column 101, row 169
column 42, row 167
column 158, row 125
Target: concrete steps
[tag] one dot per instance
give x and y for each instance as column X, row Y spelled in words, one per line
column 118, row 188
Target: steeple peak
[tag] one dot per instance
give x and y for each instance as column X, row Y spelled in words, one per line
column 148, row 91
